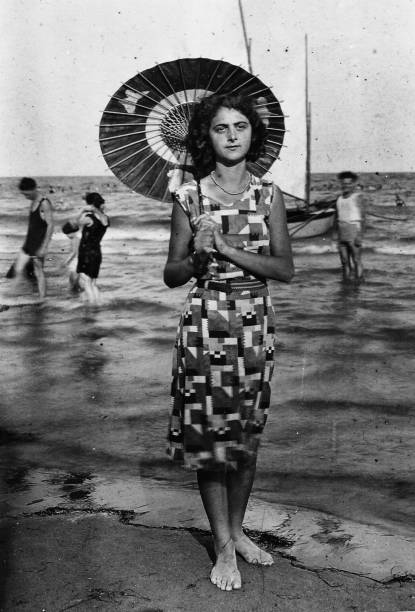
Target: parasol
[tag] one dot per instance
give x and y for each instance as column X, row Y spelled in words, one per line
column 143, row 128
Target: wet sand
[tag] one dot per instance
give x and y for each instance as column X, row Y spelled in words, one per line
column 103, row 562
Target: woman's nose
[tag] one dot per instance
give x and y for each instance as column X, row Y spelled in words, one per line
column 232, row 134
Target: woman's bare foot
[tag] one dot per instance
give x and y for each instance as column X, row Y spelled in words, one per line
column 225, row 573
column 251, row 552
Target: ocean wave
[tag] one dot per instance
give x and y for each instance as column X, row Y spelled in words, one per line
column 135, row 221
column 139, row 305
column 315, row 249
column 395, row 249
column 405, row 248
column 138, row 233
column 408, row 239
column 400, row 408
column 14, row 234
column 114, row 234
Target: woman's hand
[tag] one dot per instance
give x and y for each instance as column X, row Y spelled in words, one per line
column 203, row 222
column 203, row 241
column 221, row 243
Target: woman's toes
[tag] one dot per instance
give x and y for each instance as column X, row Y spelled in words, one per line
column 237, row 582
column 251, row 552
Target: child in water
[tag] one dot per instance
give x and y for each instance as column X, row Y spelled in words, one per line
column 71, row 230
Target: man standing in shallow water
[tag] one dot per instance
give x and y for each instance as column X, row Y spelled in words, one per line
column 39, row 233
column 350, row 225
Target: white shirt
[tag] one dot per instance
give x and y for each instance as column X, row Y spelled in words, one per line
column 348, row 209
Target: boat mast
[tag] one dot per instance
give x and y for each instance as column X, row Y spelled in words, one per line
column 247, row 40
column 248, row 43
column 308, row 131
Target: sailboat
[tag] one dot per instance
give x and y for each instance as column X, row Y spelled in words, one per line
column 306, row 219
column 310, row 223
column 309, row 219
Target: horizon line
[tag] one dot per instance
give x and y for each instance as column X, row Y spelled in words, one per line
column 113, row 177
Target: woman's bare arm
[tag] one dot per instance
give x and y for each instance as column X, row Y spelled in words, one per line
column 45, row 211
column 181, row 265
column 84, row 219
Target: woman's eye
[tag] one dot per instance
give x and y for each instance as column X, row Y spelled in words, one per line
column 220, row 129
column 241, row 126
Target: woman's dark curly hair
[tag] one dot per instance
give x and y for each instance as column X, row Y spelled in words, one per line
column 198, row 141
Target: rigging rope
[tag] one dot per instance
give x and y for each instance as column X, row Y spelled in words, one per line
column 389, row 218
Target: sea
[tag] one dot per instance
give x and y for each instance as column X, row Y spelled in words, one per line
column 85, row 390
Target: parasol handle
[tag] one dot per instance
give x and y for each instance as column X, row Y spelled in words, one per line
column 199, row 197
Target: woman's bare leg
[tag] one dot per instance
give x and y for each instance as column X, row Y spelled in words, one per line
column 85, row 282
column 212, row 487
column 20, row 264
column 239, row 485
column 40, row 276
column 95, row 291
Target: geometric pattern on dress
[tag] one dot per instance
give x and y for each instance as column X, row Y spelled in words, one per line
column 223, row 357
column 245, row 221
column 221, row 373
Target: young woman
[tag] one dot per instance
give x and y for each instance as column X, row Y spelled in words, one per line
column 94, row 223
column 229, row 231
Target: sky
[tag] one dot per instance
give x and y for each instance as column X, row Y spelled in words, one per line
column 60, row 60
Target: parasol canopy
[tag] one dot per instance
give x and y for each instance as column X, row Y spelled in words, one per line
column 143, row 128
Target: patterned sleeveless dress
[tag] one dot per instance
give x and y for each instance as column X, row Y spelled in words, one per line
column 224, row 350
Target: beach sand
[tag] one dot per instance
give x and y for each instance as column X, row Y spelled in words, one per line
column 82, row 562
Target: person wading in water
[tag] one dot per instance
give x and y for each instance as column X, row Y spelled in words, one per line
column 39, row 234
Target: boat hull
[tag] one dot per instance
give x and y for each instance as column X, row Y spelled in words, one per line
column 310, row 224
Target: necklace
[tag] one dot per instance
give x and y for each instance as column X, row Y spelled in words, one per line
column 232, row 193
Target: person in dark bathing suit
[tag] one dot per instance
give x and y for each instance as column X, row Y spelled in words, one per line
column 94, row 223
column 39, row 233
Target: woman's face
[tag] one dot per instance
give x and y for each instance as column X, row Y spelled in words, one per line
column 230, row 134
